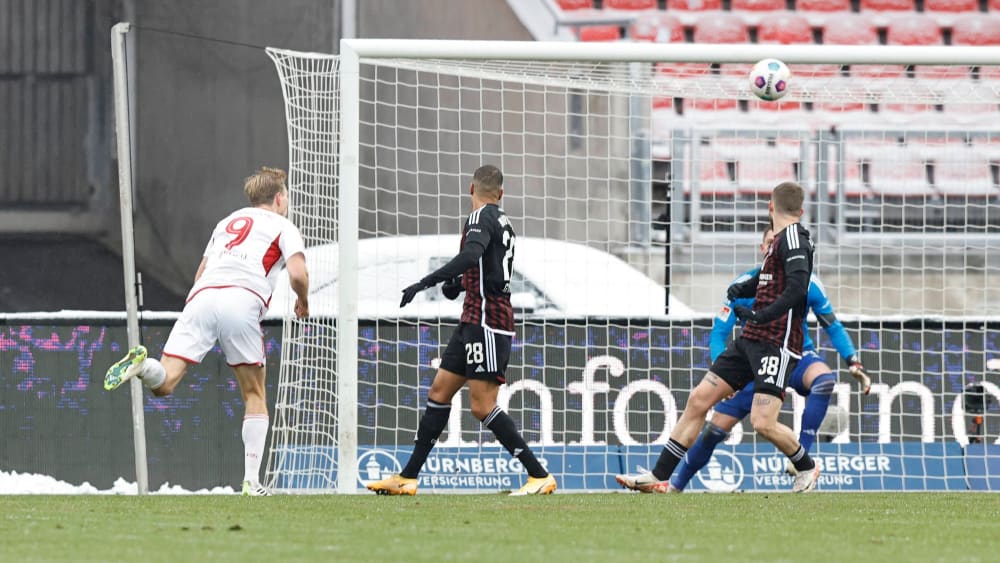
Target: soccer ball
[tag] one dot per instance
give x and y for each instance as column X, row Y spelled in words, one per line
column 769, row 79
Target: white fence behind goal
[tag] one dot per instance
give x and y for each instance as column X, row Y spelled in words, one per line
column 637, row 178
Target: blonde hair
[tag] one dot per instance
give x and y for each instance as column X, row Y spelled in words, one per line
column 264, row 185
column 788, row 198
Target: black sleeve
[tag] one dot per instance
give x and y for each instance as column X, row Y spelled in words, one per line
column 746, row 288
column 466, row 259
column 797, row 272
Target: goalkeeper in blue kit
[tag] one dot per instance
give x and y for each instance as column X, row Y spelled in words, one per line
column 812, row 378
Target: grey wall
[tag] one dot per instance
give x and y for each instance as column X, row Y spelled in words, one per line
column 209, row 113
column 439, row 19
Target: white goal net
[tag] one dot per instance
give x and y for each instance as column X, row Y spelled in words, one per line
column 637, row 179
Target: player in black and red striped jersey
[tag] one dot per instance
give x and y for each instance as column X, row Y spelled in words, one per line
column 479, row 349
column 765, row 352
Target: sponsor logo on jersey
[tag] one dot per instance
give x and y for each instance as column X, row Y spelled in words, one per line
column 724, row 313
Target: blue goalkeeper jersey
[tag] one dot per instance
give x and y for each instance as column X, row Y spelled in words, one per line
column 816, row 300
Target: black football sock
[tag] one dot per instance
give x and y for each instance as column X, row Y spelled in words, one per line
column 503, row 427
column 672, row 454
column 431, row 426
column 801, row 460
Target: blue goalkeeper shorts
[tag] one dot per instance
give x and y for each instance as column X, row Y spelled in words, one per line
column 739, row 406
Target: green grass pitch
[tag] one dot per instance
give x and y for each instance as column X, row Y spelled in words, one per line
column 579, row 528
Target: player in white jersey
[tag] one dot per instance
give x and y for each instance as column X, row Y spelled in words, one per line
column 231, row 293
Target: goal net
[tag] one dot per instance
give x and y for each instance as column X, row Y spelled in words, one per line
column 637, row 180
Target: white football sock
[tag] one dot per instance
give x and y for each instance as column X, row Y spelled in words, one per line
column 254, row 434
column 152, row 373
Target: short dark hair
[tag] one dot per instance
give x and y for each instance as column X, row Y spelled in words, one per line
column 488, row 178
column 788, row 198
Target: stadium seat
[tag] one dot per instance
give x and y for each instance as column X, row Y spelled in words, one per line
column 762, row 164
column 600, row 33
column 575, row 4
column 715, row 170
column 823, row 5
column 657, row 28
column 849, row 29
column 694, row 5
column 958, row 168
column 913, row 30
column 994, row 5
column 786, row 28
column 710, row 104
column 721, row 28
column 758, row 5
column 630, row 4
column 951, row 5
column 888, row 6
column 976, row 29
column 888, row 169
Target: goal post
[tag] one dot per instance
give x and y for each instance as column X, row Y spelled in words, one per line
column 624, row 161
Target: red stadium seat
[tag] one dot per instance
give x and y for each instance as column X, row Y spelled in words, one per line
column 600, row 33
column 823, row 5
column 780, row 105
column 658, row 28
column 575, row 4
column 941, row 72
column 913, row 30
column 695, row 5
column 976, row 29
column 710, row 104
column 888, row 6
column 786, row 28
column 758, row 5
column 887, row 168
column 994, row 5
column 849, row 29
column 959, row 168
column 762, row 165
column 721, row 28
column 951, row 5
column 630, row 4
column 683, row 69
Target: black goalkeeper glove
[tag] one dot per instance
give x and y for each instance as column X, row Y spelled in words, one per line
column 411, row 291
column 452, row 288
column 859, row 373
column 745, row 313
column 733, row 292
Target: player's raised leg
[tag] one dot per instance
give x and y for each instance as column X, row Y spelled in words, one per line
column 125, row 368
column 704, row 396
column 698, row 455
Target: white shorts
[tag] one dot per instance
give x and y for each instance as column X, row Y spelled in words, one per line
column 230, row 315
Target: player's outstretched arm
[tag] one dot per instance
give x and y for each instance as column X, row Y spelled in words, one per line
column 845, row 347
column 466, row 259
column 743, row 287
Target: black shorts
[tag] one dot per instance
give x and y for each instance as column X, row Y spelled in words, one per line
column 477, row 352
column 767, row 365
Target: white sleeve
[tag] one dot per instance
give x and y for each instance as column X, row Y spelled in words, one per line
column 290, row 241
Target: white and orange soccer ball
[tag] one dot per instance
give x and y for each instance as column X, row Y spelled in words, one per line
column 769, row 79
